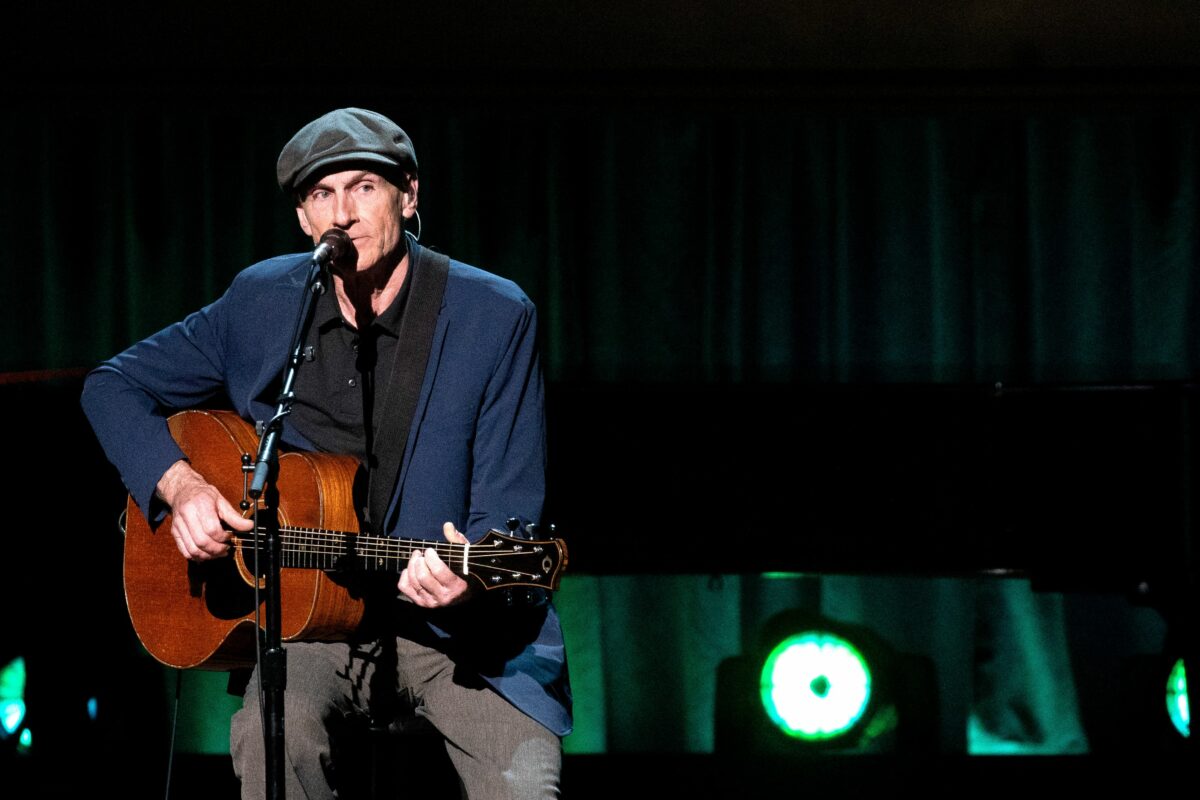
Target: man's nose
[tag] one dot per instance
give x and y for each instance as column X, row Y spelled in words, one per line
column 344, row 212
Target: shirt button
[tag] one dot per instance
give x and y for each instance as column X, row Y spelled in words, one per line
column 352, row 383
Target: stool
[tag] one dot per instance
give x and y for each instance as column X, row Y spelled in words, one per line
column 405, row 757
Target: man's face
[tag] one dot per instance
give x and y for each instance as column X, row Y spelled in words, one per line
column 369, row 208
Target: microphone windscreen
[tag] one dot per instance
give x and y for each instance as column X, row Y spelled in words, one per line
column 339, row 241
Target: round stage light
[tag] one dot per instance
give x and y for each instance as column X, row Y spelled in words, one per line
column 1177, row 698
column 815, row 685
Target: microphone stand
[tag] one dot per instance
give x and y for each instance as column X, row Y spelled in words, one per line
column 272, row 668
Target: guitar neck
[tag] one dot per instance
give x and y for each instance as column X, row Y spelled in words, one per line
column 316, row 548
column 496, row 560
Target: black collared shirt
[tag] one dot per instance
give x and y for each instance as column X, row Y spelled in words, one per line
column 345, row 384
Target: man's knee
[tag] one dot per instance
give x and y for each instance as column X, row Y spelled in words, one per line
column 534, row 771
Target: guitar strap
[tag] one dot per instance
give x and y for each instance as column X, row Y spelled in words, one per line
column 428, row 273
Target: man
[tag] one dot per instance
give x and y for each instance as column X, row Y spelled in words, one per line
column 491, row 680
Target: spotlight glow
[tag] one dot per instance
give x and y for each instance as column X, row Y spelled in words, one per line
column 12, row 696
column 815, row 685
column 1177, row 698
column 11, row 714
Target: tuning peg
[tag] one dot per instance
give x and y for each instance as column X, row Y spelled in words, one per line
column 513, row 524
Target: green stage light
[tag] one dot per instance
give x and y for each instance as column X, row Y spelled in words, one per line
column 811, row 684
column 1177, row 698
column 11, row 714
column 815, row 685
column 12, row 696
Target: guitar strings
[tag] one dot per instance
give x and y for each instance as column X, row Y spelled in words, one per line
column 316, row 544
column 395, row 563
column 391, row 549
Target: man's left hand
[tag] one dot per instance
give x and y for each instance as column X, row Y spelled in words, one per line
column 428, row 582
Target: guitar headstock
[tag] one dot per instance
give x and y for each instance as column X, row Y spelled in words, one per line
column 501, row 560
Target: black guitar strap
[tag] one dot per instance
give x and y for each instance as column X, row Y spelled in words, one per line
column 428, row 273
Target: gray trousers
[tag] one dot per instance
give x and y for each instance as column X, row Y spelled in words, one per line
column 497, row 751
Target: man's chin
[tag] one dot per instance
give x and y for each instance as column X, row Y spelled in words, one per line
column 374, row 267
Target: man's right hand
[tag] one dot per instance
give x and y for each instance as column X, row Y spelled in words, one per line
column 197, row 513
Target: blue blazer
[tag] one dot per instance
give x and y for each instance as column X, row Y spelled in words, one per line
column 475, row 453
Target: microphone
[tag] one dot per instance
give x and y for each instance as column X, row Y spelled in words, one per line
column 335, row 246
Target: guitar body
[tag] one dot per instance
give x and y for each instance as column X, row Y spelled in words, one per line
column 191, row 614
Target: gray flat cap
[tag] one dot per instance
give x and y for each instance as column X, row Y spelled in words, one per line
column 348, row 134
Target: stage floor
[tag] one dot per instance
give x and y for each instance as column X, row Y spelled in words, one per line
column 668, row 775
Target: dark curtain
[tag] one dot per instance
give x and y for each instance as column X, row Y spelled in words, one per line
column 967, row 241
column 972, row 245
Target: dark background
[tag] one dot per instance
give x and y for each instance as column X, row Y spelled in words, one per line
column 783, row 254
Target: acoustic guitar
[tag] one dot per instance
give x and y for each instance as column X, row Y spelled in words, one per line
column 203, row 614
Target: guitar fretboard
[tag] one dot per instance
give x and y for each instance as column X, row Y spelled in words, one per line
column 316, row 548
column 497, row 560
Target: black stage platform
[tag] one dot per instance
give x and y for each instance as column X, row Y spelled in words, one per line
column 700, row 776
